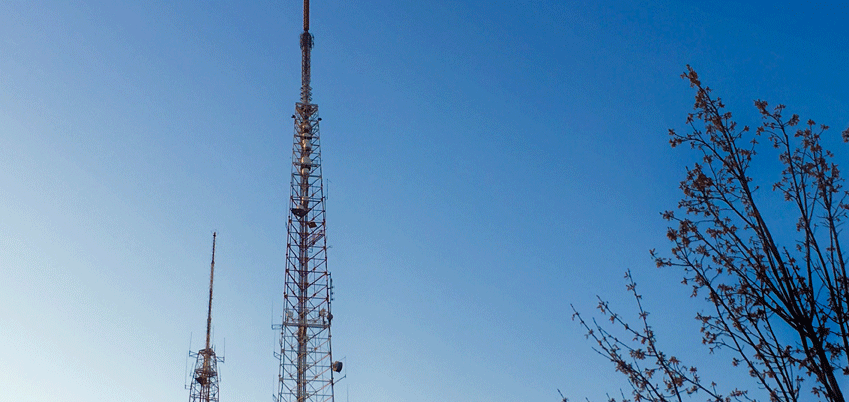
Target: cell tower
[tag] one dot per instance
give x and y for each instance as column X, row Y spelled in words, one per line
column 204, row 386
column 306, row 363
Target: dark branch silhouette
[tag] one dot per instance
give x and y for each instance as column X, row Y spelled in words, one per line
column 779, row 295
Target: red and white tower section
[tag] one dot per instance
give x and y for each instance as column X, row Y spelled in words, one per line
column 306, row 363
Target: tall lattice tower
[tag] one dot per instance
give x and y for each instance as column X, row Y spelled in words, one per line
column 204, row 386
column 306, row 363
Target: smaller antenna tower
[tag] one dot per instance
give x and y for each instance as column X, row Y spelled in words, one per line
column 204, row 387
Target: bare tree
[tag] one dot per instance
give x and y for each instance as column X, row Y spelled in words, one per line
column 779, row 296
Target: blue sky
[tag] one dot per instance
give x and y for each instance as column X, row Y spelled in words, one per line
column 487, row 164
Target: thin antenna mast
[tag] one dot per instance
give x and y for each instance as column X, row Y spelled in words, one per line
column 204, row 387
column 211, row 277
column 306, row 48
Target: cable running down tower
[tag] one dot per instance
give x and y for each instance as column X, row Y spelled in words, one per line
column 204, row 387
column 306, row 363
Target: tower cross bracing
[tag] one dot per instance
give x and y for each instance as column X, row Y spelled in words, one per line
column 306, row 363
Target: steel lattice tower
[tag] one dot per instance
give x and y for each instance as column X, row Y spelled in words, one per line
column 306, row 363
column 204, row 386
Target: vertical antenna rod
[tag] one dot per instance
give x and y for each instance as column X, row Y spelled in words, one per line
column 306, row 47
column 306, row 15
column 211, row 276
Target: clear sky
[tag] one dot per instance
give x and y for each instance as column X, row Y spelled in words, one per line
column 487, row 164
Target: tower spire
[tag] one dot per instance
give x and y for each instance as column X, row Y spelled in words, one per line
column 306, row 48
column 204, row 387
column 306, row 15
column 306, row 363
column 211, row 276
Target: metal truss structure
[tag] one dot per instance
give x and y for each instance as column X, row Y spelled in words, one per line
column 306, row 363
column 204, row 385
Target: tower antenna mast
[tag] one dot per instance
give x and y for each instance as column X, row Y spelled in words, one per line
column 306, row 363
column 306, row 49
column 204, row 387
column 211, row 277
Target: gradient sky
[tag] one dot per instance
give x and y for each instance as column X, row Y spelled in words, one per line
column 487, row 164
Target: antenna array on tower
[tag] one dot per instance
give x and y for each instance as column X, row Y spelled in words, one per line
column 306, row 363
